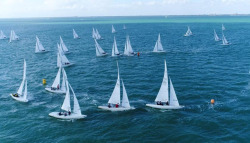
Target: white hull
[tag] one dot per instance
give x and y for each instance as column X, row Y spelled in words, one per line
column 55, row 91
column 159, row 51
column 63, row 66
column 164, row 106
column 103, row 55
column 225, row 44
column 115, row 109
column 41, row 52
column 187, row 35
column 20, row 99
column 68, row 117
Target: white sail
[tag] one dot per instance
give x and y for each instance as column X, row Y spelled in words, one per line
column 115, row 96
column 39, row 46
column 173, row 97
column 63, row 86
column 216, row 38
column 224, row 40
column 124, row 27
column 189, row 32
column 20, row 90
column 98, row 36
column 113, row 29
column 25, row 91
column 64, row 48
column 158, row 46
column 128, row 48
column 75, row 35
column 61, row 57
column 13, row 36
column 56, row 82
column 2, row 36
column 66, row 103
column 223, row 27
column 115, row 51
column 99, row 50
column 125, row 101
column 93, row 33
column 163, row 92
column 77, row 109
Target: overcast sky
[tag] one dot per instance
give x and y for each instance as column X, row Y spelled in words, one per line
column 65, row 8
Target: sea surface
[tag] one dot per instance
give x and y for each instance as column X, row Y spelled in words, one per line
column 200, row 69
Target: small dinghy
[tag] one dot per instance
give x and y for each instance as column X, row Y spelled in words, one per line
column 115, row 51
column 22, row 95
column 114, row 101
column 2, row 36
column 13, row 36
column 96, row 35
column 75, row 35
column 224, row 40
column 163, row 100
column 216, row 38
column 63, row 46
column 223, row 27
column 99, row 51
column 59, row 86
column 39, row 47
column 128, row 51
column 67, row 114
column 62, row 60
column 188, row 33
column 113, row 29
column 158, row 46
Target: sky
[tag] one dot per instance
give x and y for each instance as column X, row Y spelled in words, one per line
column 68, row 8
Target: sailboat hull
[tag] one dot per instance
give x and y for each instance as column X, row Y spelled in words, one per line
column 41, row 52
column 68, row 117
column 164, row 107
column 115, row 109
column 55, row 91
column 225, row 44
column 63, row 66
column 159, row 51
column 102, row 55
column 20, row 99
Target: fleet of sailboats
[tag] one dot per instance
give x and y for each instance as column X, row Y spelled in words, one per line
column 188, row 33
column 166, row 99
column 128, row 50
column 59, row 84
column 62, row 60
column 75, row 35
column 114, row 101
column 99, row 50
column 158, row 46
column 68, row 114
column 96, row 35
column 13, row 36
column 115, row 51
column 2, row 36
column 39, row 46
column 21, row 94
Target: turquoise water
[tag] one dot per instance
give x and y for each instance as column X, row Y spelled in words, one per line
column 199, row 67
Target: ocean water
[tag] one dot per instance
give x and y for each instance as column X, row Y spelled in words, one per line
column 200, row 69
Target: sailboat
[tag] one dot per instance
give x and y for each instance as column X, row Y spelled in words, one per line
column 39, row 46
column 75, row 35
column 114, row 101
column 188, row 33
column 59, row 86
column 224, row 40
column 2, row 36
column 113, row 29
column 66, row 107
column 158, row 46
column 99, row 50
column 13, row 36
column 124, row 27
column 163, row 100
column 62, row 60
column 216, row 38
column 96, row 35
column 64, row 48
column 21, row 94
column 223, row 27
column 115, row 51
column 128, row 51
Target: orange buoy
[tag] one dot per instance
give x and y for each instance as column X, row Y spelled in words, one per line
column 212, row 101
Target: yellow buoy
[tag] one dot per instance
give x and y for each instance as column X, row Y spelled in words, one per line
column 44, row 81
column 212, row 101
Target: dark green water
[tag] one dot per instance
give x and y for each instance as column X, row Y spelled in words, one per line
column 200, row 69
